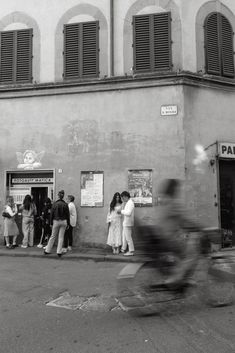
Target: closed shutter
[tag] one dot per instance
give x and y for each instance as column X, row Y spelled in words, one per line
column 81, row 50
column 227, row 48
column 142, row 52
column 90, row 49
column 7, row 57
column 219, row 46
column 71, row 51
column 16, row 56
column 162, row 41
column 152, row 42
column 24, row 56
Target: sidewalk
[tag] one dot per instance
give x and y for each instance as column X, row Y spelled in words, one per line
column 82, row 253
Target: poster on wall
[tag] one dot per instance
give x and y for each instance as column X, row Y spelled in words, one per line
column 140, row 186
column 92, row 186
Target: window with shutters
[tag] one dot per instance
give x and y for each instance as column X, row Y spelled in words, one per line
column 152, row 42
column 219, row 45
column 81, row 50
column 16, row 56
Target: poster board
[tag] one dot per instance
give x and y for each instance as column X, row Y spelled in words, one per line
column 140, row 186
column 92, row 189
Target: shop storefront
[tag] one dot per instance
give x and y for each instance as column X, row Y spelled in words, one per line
column 39, row 184
column 226, row 154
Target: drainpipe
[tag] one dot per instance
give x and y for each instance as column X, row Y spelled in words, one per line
column 111, row 38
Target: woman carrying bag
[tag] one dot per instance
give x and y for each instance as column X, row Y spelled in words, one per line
column 10, row 226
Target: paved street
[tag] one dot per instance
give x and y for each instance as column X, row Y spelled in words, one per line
column 33, row 319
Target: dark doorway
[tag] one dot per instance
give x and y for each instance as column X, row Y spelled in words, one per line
column 227, row 199
column 39, row 195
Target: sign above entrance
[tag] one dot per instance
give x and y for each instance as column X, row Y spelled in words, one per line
column 226, row 150
column 32, row 180
column 169, row 110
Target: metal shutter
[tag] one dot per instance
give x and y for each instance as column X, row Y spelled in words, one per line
column 152, row 42
column 16, row 56
column 227, row 48
column 23, row 56
column 81, row 50
column 219, row 46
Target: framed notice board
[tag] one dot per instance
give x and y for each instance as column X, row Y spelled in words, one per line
column 92, row 189
column 140, row 186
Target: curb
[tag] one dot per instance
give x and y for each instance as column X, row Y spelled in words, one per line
column 76, row 256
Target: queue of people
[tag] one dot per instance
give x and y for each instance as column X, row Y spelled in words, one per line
column 58, row 220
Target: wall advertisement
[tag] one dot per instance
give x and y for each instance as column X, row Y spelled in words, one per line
column 92, row 186
column 140, row 186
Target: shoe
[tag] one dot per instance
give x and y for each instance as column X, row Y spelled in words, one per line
column 70, row 248
column 129, row 253
column 59, row 255
column 39, row 246
column 15, row 245
column 123, row 251
column 64, row 250
column 8, row 247
column 44, row 247
column 46, row 253
column 24, row 246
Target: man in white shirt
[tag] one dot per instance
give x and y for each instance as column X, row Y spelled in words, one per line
column 68, row 237
column 128, row 223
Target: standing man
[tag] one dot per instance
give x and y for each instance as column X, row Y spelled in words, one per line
column 68, row 237
column 60, row 220
column 128, row 223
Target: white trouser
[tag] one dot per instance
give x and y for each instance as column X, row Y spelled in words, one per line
column 127, row 239
column 58, row 230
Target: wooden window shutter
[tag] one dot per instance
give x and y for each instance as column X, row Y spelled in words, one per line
column 142, row 52
column 16, row 56
column 71, row 51
column 162, row 41
column 152, row 42
column 7, row 57
column 227, row 48
column 24, row 56
column 81, row 50
column 219, row 46
column 90, row 49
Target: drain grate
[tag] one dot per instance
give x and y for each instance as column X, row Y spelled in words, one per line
column 92, row 303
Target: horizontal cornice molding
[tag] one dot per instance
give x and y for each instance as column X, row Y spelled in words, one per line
column 118, row 83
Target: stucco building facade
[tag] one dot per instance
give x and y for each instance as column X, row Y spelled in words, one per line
column 117, row 118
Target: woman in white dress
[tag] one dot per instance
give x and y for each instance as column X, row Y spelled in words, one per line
column 10, row 226
column 114, row 220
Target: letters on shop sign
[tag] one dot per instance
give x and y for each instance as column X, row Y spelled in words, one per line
column 227, row 150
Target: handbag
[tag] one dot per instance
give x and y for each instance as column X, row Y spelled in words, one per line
column 6, row 214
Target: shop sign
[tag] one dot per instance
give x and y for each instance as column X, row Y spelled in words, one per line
column 169, row 110
column 226, row 150
column 32, row 180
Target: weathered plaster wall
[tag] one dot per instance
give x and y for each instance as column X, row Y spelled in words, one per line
column 106, row 131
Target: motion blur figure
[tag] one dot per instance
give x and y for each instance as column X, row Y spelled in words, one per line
column 175, row 234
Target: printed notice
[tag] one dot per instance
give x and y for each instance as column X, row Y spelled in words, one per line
column 92, row 184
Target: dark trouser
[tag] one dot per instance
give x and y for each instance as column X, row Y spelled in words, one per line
column 68, row 237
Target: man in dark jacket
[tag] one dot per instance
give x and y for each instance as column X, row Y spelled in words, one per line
column 60, row 220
